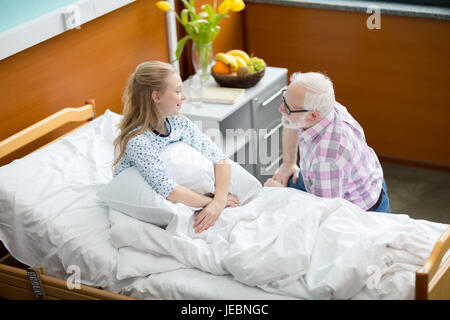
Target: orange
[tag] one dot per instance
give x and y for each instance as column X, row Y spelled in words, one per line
column 221, row 67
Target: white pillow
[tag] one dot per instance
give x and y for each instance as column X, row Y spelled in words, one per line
column 190, row 168
column 129, row 193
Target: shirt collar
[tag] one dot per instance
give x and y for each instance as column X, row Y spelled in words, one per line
column 169, row 129
column 311, row 133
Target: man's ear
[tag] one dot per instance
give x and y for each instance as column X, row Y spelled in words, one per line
column 155, row 96
column 315, row 114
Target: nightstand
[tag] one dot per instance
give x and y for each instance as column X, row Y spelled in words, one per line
column 248, row 131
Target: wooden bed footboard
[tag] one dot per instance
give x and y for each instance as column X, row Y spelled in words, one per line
column 433, row 279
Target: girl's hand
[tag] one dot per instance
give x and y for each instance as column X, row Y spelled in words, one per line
column 208, row 216
column 232, row 201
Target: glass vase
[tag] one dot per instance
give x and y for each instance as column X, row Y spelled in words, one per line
column 203, row 59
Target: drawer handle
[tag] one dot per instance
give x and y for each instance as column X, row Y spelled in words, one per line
column 273, row 97
column 276, row 161
column 271, row 132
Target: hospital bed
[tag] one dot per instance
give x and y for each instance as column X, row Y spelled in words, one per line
column 21, row 277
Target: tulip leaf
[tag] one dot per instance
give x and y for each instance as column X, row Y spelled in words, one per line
column 203, row 15
column 209, row 10
column 180, row 46
column 184, row 16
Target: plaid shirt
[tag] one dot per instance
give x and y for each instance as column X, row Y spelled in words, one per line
column 335, row 160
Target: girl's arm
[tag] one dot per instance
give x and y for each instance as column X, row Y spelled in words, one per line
column 209, row 215
column 188, row 197
column 222, row 176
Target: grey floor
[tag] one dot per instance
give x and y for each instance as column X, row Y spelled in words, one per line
column 419, row 193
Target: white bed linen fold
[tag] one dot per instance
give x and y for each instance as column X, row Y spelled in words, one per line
column 288, row 242
column 50, row 215
column 193, row 284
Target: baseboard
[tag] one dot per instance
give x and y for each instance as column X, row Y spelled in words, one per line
column 415, row 163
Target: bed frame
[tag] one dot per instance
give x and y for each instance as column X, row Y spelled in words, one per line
column 18, row 281
column 432, row 280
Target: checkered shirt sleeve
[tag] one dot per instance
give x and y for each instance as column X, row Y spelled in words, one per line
column 326, row 180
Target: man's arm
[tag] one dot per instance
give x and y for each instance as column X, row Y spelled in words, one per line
column 290, row 145
column 289, row 166
column 327, row 180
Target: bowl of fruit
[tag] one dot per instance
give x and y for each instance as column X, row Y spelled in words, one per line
column 235, row 69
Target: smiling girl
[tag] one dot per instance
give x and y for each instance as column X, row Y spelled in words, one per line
column 151, row 121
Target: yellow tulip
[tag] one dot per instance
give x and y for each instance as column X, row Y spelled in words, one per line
column 237, row 5
column 224, row 7
column 163, row 6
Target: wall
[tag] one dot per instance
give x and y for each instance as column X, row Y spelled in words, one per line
column 394, row 81
column 93, row 62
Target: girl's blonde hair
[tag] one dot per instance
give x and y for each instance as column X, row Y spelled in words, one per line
column 139, row 109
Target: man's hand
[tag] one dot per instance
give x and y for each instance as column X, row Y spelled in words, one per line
column 272, row 183
column 209, row 215
column 284, row 172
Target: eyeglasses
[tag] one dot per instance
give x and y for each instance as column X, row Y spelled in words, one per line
column 288, row 109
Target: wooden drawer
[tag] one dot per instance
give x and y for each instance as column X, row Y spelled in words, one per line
column 238, row 124
column 244, row 157
column 241, row 119
column 269, row 151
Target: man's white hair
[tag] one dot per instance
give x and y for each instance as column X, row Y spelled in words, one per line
column 319, row 93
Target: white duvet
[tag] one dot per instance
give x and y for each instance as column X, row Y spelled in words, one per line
column 288, row 243
column 285, row 242
column 50, row 216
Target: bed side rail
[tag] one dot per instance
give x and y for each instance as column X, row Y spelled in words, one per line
column 433, row 279
column 47, row 125
column 15, row 284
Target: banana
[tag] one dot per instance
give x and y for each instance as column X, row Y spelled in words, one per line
column 239, row 53
column 222, row 57
column 229, row 60
column 234, row 65
column 240, row 61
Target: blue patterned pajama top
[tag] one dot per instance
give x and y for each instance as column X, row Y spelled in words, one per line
column 142, row 151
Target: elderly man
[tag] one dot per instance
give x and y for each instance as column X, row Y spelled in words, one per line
column 335, row 160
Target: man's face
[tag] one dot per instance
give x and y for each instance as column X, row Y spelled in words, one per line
column 294, row 97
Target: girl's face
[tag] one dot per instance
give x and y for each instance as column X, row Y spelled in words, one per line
column 170, row 100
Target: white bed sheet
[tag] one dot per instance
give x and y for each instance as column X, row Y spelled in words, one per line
column 193, row 284
column 50, row 216
column 289, row 243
